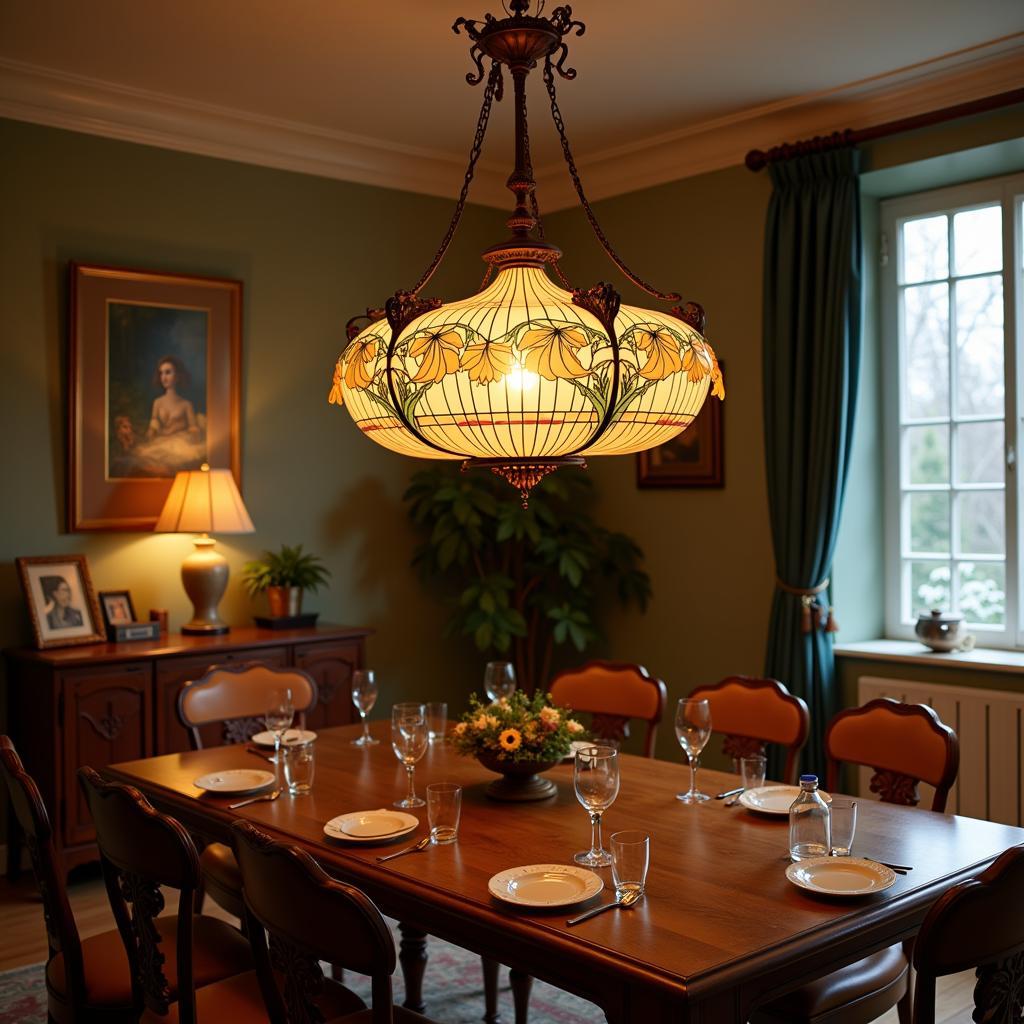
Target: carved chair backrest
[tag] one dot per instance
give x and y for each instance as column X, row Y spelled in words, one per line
column 309, row 917
column 904, row 743
column 753, row 712
column 34, row 822
column 141, row 850
column 237, row 695
column 613, row 693
column 978, row 923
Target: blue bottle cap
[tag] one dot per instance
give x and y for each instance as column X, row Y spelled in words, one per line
column 808, row 778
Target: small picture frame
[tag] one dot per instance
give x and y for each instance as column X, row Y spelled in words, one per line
column 117, row 608
column 61, row 601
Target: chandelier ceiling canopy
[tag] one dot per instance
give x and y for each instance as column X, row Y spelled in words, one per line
column 530, row 373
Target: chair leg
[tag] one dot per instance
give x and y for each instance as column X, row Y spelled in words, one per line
column 521, row 985
column 412, row 956
column 490, row 970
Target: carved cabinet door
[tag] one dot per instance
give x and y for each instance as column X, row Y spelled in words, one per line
column 331, row 664
column 107, row 718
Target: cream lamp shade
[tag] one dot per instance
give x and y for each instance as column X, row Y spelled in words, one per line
column 204, row 501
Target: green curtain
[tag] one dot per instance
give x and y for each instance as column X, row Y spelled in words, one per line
column 812, row 311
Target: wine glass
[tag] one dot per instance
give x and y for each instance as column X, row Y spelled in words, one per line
column 596, row 778
column 693, row 730
column 364, row 696
column 410, row 734
column 279, row 716
column 499, row 680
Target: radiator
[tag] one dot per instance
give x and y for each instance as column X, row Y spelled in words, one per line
column 988, row 722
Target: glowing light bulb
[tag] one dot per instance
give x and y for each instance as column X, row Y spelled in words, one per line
column 520, row 378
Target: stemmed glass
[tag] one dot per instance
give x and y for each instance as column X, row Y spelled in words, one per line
column 499, row 680
column 596, row 778
column 364, row 696
column 693, row 730
column 410, row 735
column 279, row 716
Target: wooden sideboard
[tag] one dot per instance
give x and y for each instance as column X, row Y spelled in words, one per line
column 105, row 703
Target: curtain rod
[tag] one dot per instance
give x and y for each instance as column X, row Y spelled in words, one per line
column 757, row 159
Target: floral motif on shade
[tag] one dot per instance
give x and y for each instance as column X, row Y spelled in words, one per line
column 519, row 371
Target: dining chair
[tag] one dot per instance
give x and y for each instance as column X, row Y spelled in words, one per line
column 904, row 744
column 977, row 924
column 235, row 698
column 169, row 957
column 613, row 692
column 298, row 916
column 87, row 980
column 753, row 712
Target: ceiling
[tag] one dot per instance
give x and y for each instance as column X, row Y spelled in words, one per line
column 376, row 92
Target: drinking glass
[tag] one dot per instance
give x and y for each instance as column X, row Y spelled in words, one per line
column 844, row 826
column 437, row 719
column 279, row 716
column 596, row 778
column 444, row 808
column 364, row 696
column 499, row 680
column 693, row 730
column 409, row 739
column 631, row 857
column 298, row 767
column 753, row 769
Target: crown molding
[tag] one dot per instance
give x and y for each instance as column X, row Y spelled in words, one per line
column 78, row 103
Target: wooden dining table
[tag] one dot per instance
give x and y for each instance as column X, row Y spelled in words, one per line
column 719, row 930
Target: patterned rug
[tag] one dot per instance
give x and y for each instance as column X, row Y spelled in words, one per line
column 452, row 990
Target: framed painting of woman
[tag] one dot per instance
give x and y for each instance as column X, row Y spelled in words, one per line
column 61, row 601
column 155, row 366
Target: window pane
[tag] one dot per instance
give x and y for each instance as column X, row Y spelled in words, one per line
column 979, row 344
column 978, row 240
column 927, row 454
column 929, row 587
column 924, row 249
column 979, row 453
column 926, row 344
column 929, row 523
column 983, row 592
column 982, row 522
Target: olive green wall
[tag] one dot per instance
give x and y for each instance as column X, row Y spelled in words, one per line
column 311, row 253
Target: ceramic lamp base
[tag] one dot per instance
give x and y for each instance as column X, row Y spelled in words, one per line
column 204, row 574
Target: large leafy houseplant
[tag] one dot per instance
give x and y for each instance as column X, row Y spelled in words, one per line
column 521, row 581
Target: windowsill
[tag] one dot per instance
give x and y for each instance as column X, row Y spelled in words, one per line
column 989, row 659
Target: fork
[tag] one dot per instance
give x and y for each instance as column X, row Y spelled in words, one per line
column 421, row 845
column 272, row 795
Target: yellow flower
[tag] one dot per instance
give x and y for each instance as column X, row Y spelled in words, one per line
column 573, row 726
column 698, row 361
column 550, row 717
column 530, row 730
column 717, row 380
column 439, row 351
column 550, row 352
column 510, row 739
column 491, row 721
column 487, row 361
column 480, row 723
column 460, row 729
column 336, row 397
column 662, row 348
column 358, row 357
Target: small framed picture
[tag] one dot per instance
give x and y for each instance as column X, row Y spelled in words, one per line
column 61, row 600
column 117, row 608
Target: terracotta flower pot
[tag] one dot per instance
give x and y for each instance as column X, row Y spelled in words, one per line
column 284, row 601
column 520, row 780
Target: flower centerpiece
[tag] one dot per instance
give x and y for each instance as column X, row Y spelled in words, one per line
column 518, row 737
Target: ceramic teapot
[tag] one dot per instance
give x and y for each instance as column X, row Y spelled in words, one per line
column 943, row 632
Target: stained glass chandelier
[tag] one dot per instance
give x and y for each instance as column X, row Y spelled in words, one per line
column 530, row 373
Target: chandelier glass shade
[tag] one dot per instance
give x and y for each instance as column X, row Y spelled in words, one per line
column 525, row 375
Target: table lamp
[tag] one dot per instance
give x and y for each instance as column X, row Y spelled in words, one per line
column 202, row 502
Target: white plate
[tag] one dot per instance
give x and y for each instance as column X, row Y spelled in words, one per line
column 235, row 781
column 774, row 799
column 545, row 885
column 371, row 826
column 840, row 876
column 266, row 739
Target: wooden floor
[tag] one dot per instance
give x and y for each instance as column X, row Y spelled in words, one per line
column 23, row 938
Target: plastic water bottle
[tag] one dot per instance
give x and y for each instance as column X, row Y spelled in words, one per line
column 810, row 832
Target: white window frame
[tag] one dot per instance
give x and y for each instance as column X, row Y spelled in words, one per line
column 1009, row 191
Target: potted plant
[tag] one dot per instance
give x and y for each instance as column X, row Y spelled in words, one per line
column 284, row 576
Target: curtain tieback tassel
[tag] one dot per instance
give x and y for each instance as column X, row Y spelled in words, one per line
column 811, row 608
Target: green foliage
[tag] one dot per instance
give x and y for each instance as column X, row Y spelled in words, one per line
column 288, row 567
column 521, row 580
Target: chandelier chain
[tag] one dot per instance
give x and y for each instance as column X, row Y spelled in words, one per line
column 493, row 89
column 556, row 114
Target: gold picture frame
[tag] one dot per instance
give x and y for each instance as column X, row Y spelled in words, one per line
column 61, row 601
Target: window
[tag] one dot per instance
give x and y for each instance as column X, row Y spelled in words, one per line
column 952, row 334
